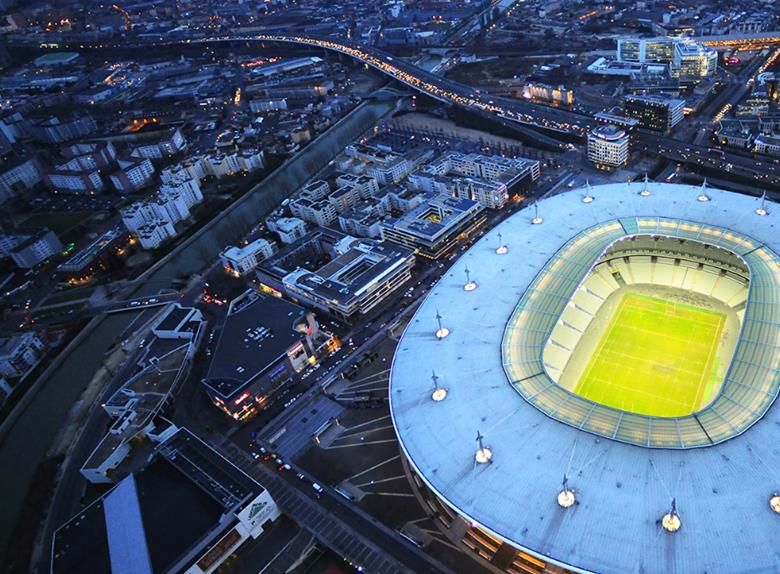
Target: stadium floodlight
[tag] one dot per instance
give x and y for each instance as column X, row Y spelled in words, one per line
column 587, row 198
column 645, row 187
column 439, row 393
column 501, row 249
column 469, row 285
column 566, row 496
column 536, row 220
column 484, row 454
column 703, row 193
column 761, row 209
column 671, row 520
column 774, row 503
column 441, row 331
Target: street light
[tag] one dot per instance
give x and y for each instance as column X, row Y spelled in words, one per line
column 761, row 210
column 774, row 503
column 442, row 331
column 502, row 249
column 536, row 220
column 703, row 195
column 439, row 393
column 470, row 285
column 566, row 496
column 484, row 454
column 645, row 191
column 671, row 520
column 587, row 198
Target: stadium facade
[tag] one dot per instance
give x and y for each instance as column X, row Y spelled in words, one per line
column 534, row 476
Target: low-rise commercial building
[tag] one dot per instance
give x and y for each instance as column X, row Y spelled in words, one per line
column 263, row 343
column 554, row 94
column 187, row 510
column 83, row 264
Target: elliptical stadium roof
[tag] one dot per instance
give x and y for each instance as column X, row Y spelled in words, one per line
column 722, row 491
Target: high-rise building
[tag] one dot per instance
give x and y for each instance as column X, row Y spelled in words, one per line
column 655, row 112
column 685, row 58
column 608, row 147
column 693, row 60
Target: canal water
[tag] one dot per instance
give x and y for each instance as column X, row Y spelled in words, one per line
column 27, row 442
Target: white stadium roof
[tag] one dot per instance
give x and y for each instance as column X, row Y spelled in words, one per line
column 622, row 490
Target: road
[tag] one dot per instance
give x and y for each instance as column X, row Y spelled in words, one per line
column 760, row 172
column 338, row 524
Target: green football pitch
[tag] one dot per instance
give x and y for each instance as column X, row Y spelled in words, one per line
column 656, row 358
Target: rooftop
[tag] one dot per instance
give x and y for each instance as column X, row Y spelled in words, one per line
column 257, row 332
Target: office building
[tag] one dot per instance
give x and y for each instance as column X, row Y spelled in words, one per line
column 263, row 343
column 608, row 147
column 434, row 227
column 360, row 276
column 685, row 58
column 655, row 112
column 692, row 60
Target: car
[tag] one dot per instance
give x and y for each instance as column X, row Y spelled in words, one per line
column 301, row 475
column 285, row 466
column 317, row 488
column 135, row 303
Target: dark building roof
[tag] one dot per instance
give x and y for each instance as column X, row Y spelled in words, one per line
column 255, row 335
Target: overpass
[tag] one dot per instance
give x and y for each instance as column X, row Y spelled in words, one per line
column 742, row 41
column 546, row 124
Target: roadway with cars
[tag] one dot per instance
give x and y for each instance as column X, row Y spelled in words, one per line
column 334, row 521
column 761, row 173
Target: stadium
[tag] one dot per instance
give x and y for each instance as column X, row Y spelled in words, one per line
column 590, row 387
